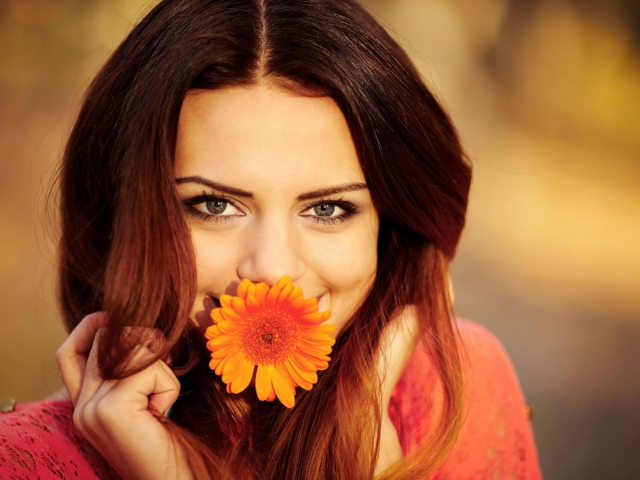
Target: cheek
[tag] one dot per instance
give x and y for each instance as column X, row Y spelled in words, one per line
column 215, row 260
column 354, row 268
column 348, row 265
column 347, row 270
column 215, row 265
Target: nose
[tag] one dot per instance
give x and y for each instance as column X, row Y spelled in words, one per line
column 271, row 252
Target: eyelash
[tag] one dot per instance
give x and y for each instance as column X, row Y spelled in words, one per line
column 190, row 203
column 349, row 209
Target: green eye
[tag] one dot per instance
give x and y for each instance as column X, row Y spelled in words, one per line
column 324, row 210
column 216, row 207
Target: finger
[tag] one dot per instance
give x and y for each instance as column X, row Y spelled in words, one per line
column 92, row 380
column 122, row 418
column 155, row 388
column 166, row 390
column 73, row 353
column 107, row 404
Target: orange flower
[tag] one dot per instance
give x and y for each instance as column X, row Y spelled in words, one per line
column 274, row 329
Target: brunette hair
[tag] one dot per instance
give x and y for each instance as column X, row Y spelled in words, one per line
column 125, row 246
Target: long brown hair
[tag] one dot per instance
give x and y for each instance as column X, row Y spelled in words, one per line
column 125, row 246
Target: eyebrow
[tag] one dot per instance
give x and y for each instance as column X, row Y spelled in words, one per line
column 215, row 186
column 323, row 192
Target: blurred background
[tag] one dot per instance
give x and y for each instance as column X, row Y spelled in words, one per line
column 546, row 95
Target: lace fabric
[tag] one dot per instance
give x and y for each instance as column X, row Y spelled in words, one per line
column 39, row 440
column 496, row 440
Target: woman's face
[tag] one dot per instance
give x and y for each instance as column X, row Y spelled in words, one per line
column 272, row 186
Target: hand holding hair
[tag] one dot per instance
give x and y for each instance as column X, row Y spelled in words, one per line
column 121, row 417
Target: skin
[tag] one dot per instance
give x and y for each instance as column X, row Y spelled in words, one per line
column 251, row 165
column 281, row 149
column 120, row 418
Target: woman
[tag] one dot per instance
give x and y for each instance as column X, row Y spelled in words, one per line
column 244, row 139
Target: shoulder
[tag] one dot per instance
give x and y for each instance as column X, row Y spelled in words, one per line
column 496, row 439
column 39, row 440
column 491, row 382
column 484, row 358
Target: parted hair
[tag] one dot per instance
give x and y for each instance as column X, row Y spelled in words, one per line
column 125, row 246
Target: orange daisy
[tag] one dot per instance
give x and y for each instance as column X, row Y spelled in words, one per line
column 273, row 331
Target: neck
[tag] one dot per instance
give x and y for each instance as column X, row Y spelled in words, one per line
column 397, row 344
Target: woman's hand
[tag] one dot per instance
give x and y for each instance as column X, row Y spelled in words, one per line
column 122, row 418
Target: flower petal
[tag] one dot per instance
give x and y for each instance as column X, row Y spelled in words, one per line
column 314, row 350
column 322, row 365
column 295, row 293
column 216, row 315
column 271, row 300
column 221, row 341
column 214, row 362
column 225, row 301
column 285, row 374
column 253, row 304
column 228, row 329
column 226, row 351
column 264, row 387
column 261, row 292
column 296, row 304
column 310, row 305
column 311, row 363
column 243, row 288
column 309, row 376
column 230, row 315
column 325, row 328
column 304, row 362
column 243, row 378
column 238, row 304
column 284, row 390
column 284, row 281
column 211, row 331
column 307, row 385
column 220, row 367
column 233, row 364
column 314, row 318
column 310, row 336
column 286, row 290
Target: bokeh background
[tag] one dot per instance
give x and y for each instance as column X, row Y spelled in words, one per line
column 546, row 95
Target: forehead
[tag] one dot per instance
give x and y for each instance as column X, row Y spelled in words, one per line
column 262, row 135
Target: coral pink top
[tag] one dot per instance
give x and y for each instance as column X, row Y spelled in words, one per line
column 39, row 440
column 496, row 440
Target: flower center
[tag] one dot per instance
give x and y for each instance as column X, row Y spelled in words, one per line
column 268, row 337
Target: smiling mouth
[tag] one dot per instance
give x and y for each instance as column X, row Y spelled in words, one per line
column 216, row 302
